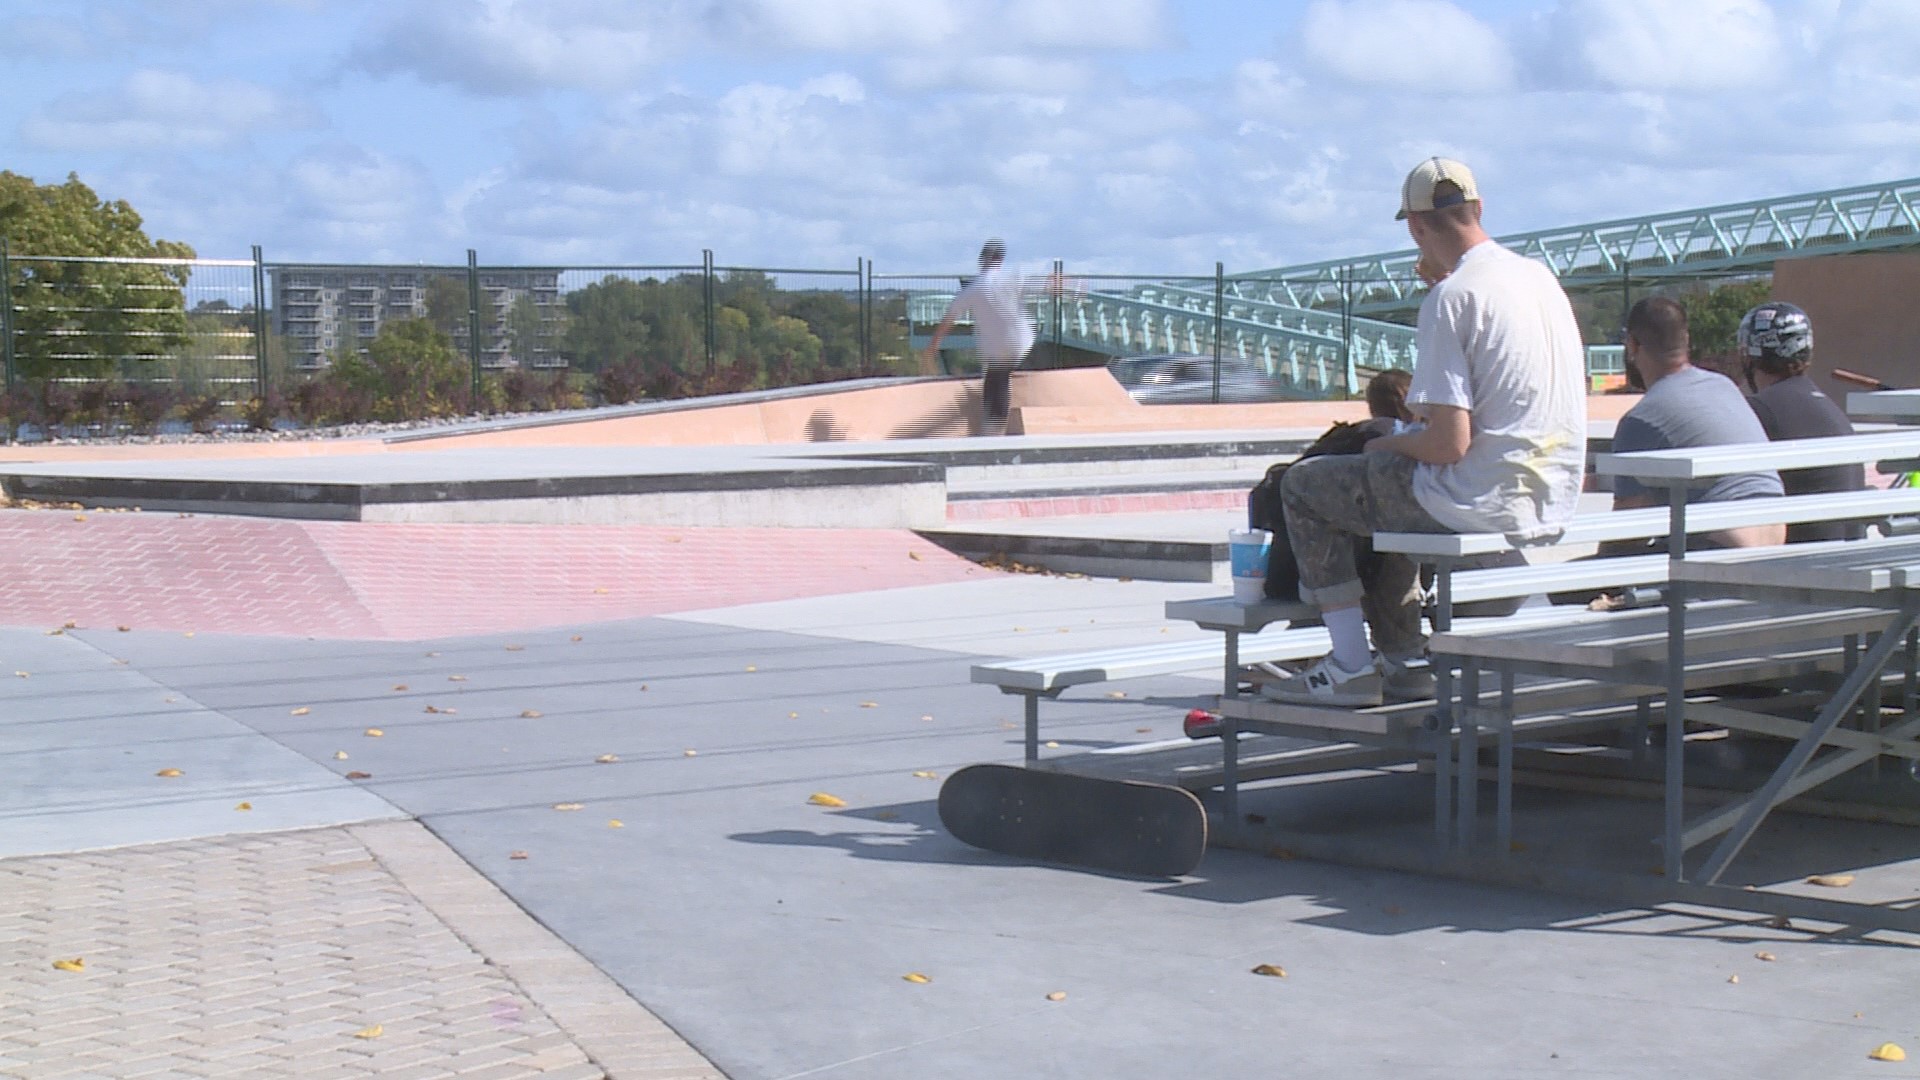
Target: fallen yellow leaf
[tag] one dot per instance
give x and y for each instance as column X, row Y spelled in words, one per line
column 821, row 798
column 869, row 704
column 750, row 667
column 19, row 674
column 1116, row 694
column 1057, row 995
column 567, row 806
column 599, row 592
column 515, row 648
column 301, row 711
column 914, row 555
column 1766, row 956
column 123, row 629
column 616, row 823
column 925, row 774
column 1888, row 1052
column 1733, row 978
column 606, row 759
column 79, row 517
column 576, row 637
column 187, row 634
column 916, row 977
column 927, row 718
column 399, row 687
column 1051, row 745
column 168, row 772
column 793, row 716
column 689, row 753
column 373, row 1032
column 1831, row 881
column 244, row 806
column 1274, row 970
column 1142, row 730
column 358, row 775
column 516, row 855
column 456, row 678
column 530, row 714
column 339, row 755
column 374, row 733
column 75, row 964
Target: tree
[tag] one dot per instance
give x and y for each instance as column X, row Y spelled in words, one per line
column 79, row 318
column 528, row 330
column 1714, row 314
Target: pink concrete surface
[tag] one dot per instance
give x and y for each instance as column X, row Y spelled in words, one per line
column 415, row 581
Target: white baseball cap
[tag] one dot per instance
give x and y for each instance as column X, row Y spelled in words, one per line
column 1416, row 195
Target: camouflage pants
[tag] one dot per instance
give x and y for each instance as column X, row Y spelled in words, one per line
column 1332, row 501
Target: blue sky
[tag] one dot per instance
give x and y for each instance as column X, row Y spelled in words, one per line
column 1115, row 134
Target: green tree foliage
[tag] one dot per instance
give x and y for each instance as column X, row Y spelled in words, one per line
column 81, row 319
column 651, row 334
column 1713, row 315
column 410, row 370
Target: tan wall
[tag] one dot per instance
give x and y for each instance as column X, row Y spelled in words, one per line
column 1864, row 312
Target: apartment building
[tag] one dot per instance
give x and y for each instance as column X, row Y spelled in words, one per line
column 320, row 309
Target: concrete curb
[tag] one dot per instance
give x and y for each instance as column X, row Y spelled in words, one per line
column 618, row 1033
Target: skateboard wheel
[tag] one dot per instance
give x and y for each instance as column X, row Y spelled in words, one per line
column 1200, row 724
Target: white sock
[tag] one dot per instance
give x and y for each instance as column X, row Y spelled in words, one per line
column 1348, row 628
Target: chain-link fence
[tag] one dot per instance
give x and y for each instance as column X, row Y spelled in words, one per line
column 119, row 346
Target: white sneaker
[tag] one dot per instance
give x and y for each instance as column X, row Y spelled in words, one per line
column 1327, row 683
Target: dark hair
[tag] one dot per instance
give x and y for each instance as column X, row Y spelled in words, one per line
column 1458, row 215
column 993, row 252
column 1659, row 325
column 1387, row 394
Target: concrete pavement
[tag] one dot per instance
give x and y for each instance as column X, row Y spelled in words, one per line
column 773, row 935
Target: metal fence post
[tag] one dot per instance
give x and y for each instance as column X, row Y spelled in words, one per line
column 6, row 338
column 260, row 328
column 860, row 311
column 706, row 277
column 473, row 321
column 1219, row 322
column 1059, row 312
column 1346, row 329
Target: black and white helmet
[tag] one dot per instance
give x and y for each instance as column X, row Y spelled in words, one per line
column 1776, row 331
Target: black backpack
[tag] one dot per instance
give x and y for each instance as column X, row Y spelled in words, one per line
column 1264, row 510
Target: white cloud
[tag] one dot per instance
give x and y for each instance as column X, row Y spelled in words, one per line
column 165, row 110
column 511, row 46
column 358, row 200
column 990, row 74
column 1424, row 45
column 1700, row 45
column 843, row 25
column 1087, row 24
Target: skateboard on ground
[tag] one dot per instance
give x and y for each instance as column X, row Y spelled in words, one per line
column 1149, row 830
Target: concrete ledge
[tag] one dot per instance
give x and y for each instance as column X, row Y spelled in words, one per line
column 1146, row 560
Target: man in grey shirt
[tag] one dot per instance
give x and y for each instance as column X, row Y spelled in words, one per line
column 1686, row 406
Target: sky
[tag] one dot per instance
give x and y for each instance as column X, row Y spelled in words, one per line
column 1117, row 135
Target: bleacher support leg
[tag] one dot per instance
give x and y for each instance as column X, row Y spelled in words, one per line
column 1033, row 727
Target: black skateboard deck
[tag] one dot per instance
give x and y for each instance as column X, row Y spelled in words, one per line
column 1150, row 830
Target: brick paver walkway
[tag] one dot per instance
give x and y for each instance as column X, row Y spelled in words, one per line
column 368, row 580
column 322, row 954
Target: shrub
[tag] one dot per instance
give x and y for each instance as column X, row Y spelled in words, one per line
column 620, row 382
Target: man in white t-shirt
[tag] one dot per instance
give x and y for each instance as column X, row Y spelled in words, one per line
column 1501, row 385
column 1003, row 333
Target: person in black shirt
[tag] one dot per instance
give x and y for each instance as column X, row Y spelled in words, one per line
column 1776, row 341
